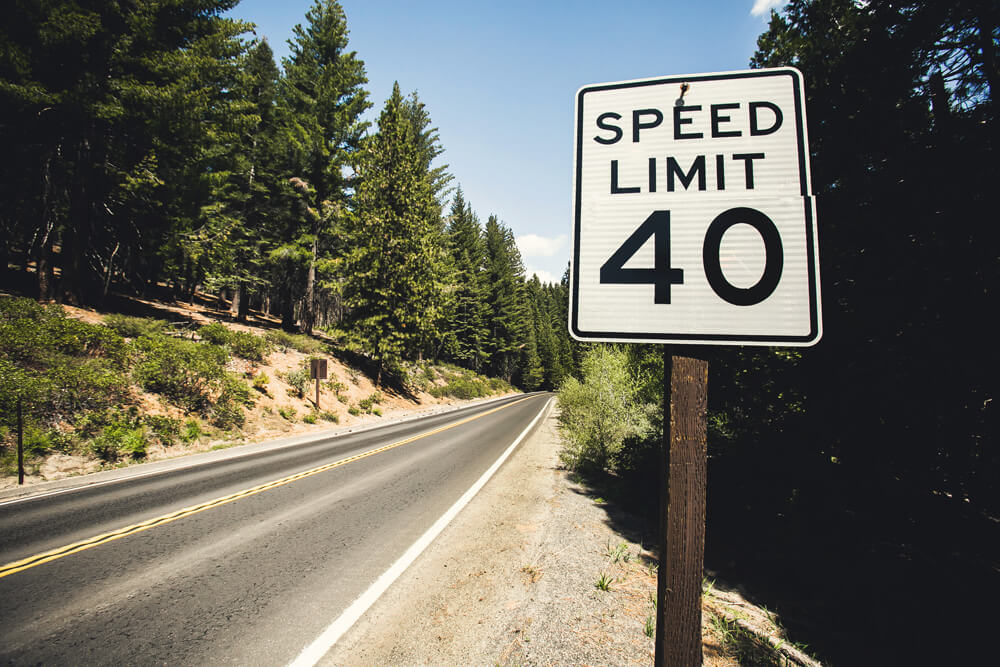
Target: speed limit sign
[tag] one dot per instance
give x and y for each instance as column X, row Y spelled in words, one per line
column 694, row 216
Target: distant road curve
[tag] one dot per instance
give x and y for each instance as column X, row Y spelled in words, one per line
column 251, row 560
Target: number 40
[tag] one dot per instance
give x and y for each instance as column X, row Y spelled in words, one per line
column 663, row 275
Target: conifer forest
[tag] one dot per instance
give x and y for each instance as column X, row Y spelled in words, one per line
column 157, row 149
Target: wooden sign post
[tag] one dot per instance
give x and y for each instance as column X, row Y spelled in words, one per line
column 317, row 371
column 682, row 512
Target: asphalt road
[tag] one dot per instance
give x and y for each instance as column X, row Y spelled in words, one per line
column 243, row 561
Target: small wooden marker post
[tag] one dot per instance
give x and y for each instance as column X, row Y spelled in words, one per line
column 20, row 444
column 317, row 371
column 682, row 512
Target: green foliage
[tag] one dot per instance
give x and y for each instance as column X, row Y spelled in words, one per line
column 367, row 405
column 241, row 343
column 393, row 276
column 310, row 418
column 330, row 416
column 466, row 385
column 260, row 381
column 133, row 327
column 354, row 410
column 185, row 372
column 287, row 412
column 298, row 380
column 191, row 431
column 288, row 341
column 601, row 411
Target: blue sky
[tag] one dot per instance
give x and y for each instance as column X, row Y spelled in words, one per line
column 499, row 81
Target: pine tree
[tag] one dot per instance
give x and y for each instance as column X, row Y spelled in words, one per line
column 507, row 308
column 467, row 330
column 323, row 98
column 392, row 285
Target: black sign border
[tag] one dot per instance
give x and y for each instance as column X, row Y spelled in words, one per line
column 813, row 336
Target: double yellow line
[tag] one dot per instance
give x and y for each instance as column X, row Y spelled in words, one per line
column 97, row 540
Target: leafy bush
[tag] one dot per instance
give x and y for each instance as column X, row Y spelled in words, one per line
column 185, row 372
column 598, row 414
column 310, row 418
column 133, row 327
column 118, row 440
column 227, row 410
column 330, row 416
column 242, row 343
column 287, row 412
column 353, row 410
column 56, row 366
column 284, row 341
column 191, row 431
column 297, row 379
column 366, row 404
column 260, row 382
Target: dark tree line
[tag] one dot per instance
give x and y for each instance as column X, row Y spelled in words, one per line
column 155, row 146
column 862, row 474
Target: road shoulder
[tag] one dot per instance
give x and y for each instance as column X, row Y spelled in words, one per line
column 513, row 579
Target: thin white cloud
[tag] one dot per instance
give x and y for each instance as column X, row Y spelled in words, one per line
column 533, row 245
column 543, row 275
column 764, row 7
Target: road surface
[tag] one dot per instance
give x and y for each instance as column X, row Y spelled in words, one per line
column 243, row 561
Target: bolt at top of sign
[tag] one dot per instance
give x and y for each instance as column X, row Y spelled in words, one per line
column 694, row 219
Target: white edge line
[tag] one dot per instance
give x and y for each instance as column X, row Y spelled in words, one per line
column 313, row 653
column 264, row 446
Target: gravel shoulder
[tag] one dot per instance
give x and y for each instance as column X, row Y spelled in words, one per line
column 513, row 581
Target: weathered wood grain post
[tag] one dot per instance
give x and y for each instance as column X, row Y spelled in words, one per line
column 20, row 443
column 682, row 511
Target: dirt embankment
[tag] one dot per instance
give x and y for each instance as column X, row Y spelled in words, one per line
column 278, row 409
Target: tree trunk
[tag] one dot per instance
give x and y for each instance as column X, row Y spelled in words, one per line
column 243, row 305
column 234, row 305
column 43, row 269
column 288, row 314
column 309, row 305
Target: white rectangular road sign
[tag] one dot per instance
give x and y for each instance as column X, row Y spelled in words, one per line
column 694, row 216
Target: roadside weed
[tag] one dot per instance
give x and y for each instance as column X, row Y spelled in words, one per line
column 603, row 583
column 650, row 626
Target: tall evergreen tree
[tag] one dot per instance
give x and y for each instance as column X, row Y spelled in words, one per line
column 392, row 285
column 323, row 98
column 467, row 313
column 507, row 308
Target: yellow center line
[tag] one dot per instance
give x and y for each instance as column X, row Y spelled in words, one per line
column 97, row 540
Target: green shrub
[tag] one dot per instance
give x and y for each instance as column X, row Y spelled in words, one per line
column 284, row 341
column 310, row 418
column 287, row 412
column 191, row 431
column 366, row 404
column 598, row 414
column 55, row 365
column 227, row 410
column 185, row 372
column 260, row 382
column 297, row 379
column 330, row 416
column 165, row 429
column 335, row 387
column 133, row 327
column 241, row 343
column 353, row 410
